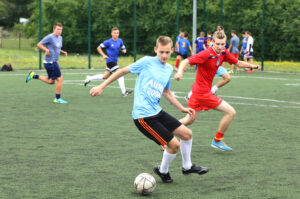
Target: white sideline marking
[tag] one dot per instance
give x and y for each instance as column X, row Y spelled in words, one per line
column 235, row 97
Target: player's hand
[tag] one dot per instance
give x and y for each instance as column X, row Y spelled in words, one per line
column 189, row 111
column 178, row 76
column 47, row 52
column 96, row 91
column 258, row 67
column 65, row 53
column 105, row 57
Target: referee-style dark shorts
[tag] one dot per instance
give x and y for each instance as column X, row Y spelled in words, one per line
column 53, row 70
column 112, row 66
column 158, row 128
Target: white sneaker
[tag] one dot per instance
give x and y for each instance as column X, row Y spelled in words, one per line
column 87, row 80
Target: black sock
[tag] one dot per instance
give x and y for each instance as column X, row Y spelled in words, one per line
column 57, row 96
column 35, row 76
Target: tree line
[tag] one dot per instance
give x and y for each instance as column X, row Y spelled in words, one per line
column 157, row 17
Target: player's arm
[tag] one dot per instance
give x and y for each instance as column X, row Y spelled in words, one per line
column 97, row 90
column 172, row 99
column 243, row 64
column 191, row 50
column 181, row 68
column 229, row 47
column 100, row 51
column 43, row 48
column 124, row 51
column 64, row 52
column 177, row 47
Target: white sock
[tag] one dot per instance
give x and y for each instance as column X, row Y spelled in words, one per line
column 122, row 84
column 214, row 89
column 96, row 77
column 166, row 161
column 186, row 149
column 190, row 94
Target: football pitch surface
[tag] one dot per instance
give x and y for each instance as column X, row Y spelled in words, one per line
column 90, row 147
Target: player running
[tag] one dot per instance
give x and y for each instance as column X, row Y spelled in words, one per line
column 52, row 44
column 153, row 81
column 113, row 46
column 202, row 99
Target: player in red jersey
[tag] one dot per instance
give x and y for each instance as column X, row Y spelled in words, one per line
column 208, row 62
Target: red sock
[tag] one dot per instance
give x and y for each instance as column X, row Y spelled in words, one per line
column 177, row 63
column 219, row 136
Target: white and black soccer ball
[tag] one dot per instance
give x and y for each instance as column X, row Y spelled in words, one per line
column 144, row 183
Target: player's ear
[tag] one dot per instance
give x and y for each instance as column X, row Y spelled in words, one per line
column 155, row 49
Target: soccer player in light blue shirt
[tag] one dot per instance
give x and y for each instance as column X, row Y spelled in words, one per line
column 112, row 46
column 153, row 81
column 52, row 45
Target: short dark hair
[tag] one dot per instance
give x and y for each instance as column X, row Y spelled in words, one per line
column 209, row 32
column 248, row 32
column 57, row 24
column 186, row 34
column 233, row 31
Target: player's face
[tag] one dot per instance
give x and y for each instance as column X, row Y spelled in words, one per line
column 57, row 31
column 115, row 34
column 219, row 45
column 164, row 52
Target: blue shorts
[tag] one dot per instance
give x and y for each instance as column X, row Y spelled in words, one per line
column 221, row 71
column 53, row 70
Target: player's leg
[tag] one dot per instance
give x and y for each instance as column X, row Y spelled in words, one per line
column 178, row 58
column 222, row 72
column 185, row 135
column 50, row 70
column 154, row 130
column 121, row 82
column 59, row 83
column 229, row 114
column 88, row 78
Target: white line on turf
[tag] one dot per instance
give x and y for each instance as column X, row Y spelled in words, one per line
column 223, row 96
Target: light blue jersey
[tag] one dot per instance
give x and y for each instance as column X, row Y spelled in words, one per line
column 54, row 45
column 153, row 78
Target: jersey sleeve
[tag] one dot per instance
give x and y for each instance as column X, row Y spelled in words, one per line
column 104, row 44
column 46, row 40
column 138, row 66
column 199, row 58
column 122, row 45
column 188, row 43
column 230, row 58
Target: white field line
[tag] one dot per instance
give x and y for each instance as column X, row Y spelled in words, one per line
column 25, row 73
column 224, row 96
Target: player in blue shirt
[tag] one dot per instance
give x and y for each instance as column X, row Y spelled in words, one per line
column 112, row 46
column 182, row 52
column 154, row 80
column 199, row 43
column 243, row 50
column 52, row 44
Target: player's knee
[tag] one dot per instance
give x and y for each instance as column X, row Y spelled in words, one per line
column 51, row 81
column 232, row 113
column 228, row 79
column 187, row 135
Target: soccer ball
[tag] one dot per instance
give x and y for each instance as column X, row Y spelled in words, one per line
column 144, row 183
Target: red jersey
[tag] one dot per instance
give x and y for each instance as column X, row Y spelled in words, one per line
column 208, row 63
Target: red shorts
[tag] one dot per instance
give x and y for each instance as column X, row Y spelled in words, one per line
column 204, row 102
column 236, row 55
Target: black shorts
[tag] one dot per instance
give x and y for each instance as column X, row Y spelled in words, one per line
column 183, row 56
column 53, row 70
column 158, row 128
column 112, row 66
